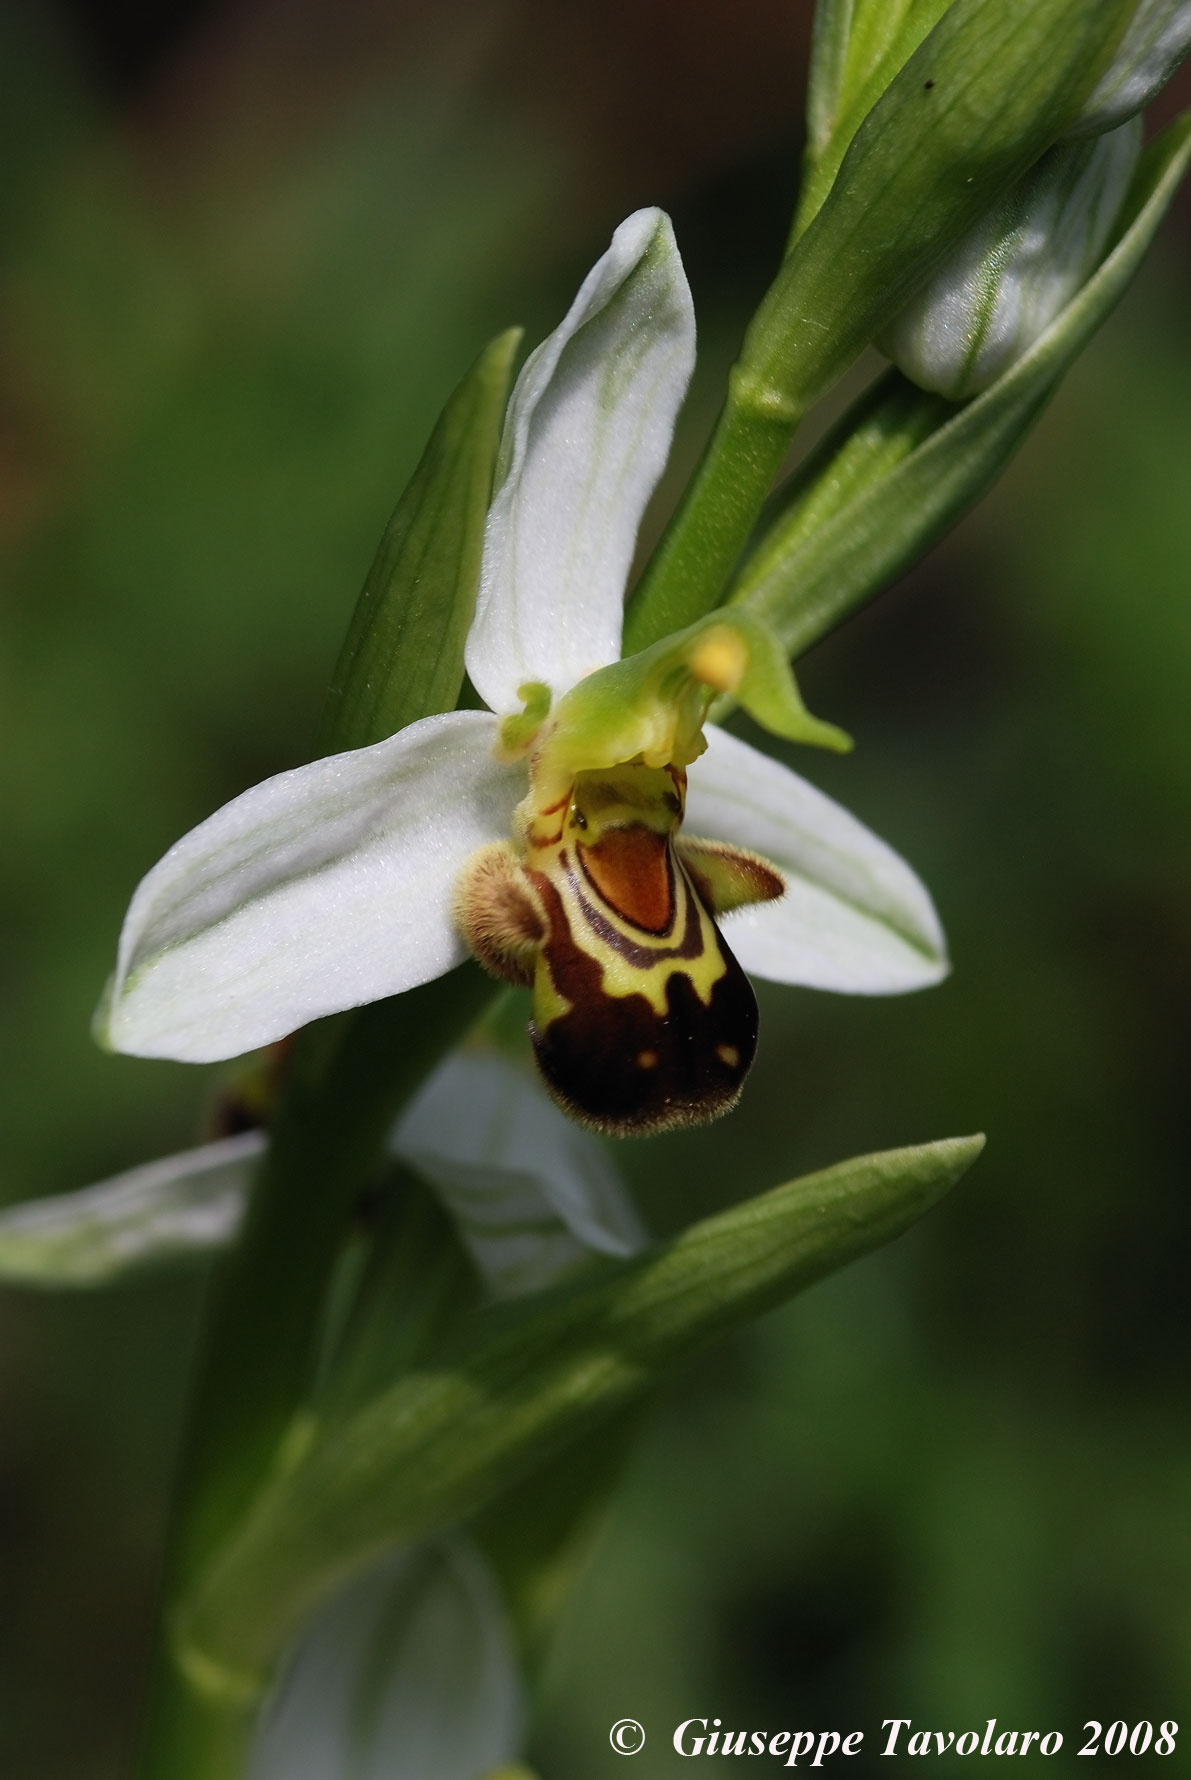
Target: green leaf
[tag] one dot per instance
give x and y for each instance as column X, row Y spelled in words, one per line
column 538, row 1535
column 347, row 1078
column 903, row 465
column 519, row 1382
column 403, row 655
column 984, row 95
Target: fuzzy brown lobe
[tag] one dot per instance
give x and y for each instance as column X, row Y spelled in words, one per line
column 497, row 916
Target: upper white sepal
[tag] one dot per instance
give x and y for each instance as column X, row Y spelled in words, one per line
column 587, row 435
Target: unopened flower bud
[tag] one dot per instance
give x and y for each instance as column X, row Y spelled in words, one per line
column 990, row 301
column 1155, row 42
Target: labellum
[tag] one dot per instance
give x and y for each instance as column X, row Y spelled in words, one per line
column 642, row 1017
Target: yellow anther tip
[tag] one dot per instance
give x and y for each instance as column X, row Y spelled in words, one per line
column 719, row 660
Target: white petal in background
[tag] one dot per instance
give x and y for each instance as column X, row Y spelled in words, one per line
column 1156, row 39
column 323, row 888
column 150, row 1216
column 531, row 1192
column 586, row 438
column 854, row 918
column 407, row 1674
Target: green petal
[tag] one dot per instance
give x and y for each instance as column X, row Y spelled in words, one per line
column 653, row 706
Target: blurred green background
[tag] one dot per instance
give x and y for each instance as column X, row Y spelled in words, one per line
column 245, row 250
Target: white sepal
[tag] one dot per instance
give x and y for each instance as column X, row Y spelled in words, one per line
column 320, row 889
column 189, row 1204
column 587, row 435
column 407, row 1674
column 1156, row 39
column 532, row 1193
column 854, row 918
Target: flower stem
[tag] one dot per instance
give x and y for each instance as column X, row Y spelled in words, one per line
column 699, row 553
column 192, row 1736
column 347, row 1079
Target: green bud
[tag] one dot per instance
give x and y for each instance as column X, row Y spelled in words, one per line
column 985, row 94
column 903, row 464
column 1006, row 282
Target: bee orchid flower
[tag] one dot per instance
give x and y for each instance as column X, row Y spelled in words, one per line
column 584, row 833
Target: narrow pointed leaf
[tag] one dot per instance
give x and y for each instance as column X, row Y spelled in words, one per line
column 402, row 658
column 521, row 1381
column 178, row 1208
column 854, row 917
column 830, row 36
column 904, row 465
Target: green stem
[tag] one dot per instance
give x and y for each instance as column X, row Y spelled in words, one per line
column 348, row 1079
column 987, row 91
column 329, row 1134
column 193, row 1736
column 699, row 552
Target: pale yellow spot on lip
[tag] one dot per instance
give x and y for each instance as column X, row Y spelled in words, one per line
column 728, row 1054
column 647, row 1059
column 719, row 660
